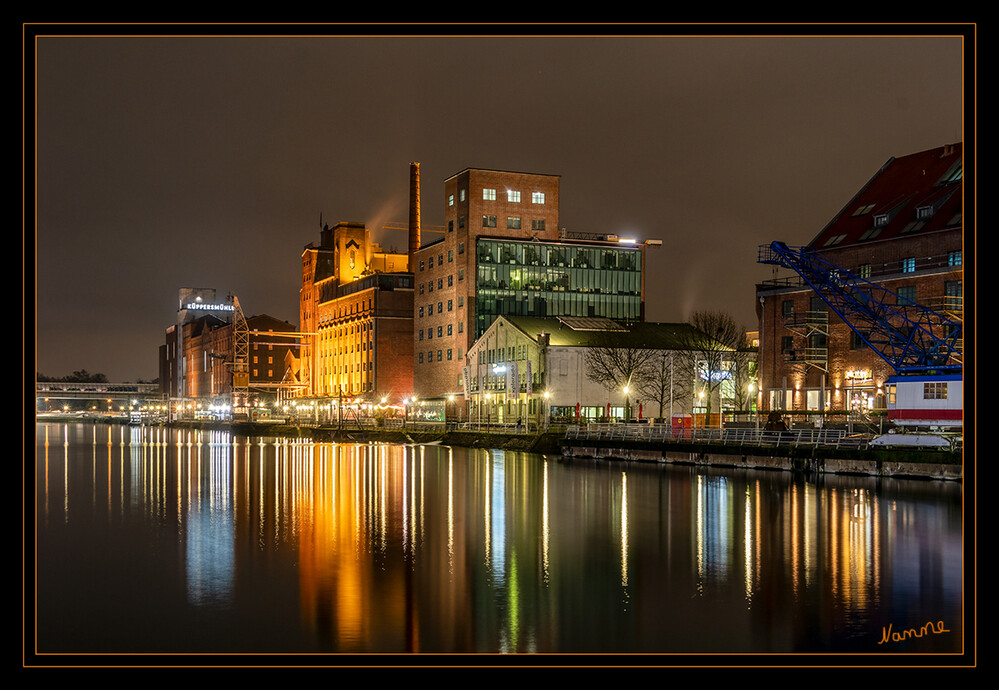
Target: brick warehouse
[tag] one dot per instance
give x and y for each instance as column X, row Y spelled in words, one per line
column 903, row 230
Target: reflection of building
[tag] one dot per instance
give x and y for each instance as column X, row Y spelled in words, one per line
column 903, row 231
column 523, row 366
column 502, row 253
column 356, row 307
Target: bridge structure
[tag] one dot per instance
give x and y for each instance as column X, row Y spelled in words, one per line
column 55, row 396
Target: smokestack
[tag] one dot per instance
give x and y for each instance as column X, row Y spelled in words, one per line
column 414, row 212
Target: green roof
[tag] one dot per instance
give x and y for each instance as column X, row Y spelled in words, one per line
column 582, row 332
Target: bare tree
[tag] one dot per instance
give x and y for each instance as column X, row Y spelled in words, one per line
column 667, row 380
column 615, row 362
column 709, row 350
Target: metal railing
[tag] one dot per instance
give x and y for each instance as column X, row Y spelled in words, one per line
column 834, row 438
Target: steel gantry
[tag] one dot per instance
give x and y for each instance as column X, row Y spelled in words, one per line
column 910, row 337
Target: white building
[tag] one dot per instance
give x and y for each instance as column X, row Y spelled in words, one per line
column 523, row 367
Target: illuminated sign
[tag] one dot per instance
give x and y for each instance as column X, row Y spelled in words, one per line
column 860, row 374
column 209, row 307
column 716, row 375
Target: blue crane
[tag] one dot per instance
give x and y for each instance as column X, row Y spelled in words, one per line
column 911, row 338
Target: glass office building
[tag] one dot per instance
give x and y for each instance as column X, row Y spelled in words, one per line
column 529, row 278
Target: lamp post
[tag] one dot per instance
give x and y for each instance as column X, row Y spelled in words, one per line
column 547, row 410
column 627, row 412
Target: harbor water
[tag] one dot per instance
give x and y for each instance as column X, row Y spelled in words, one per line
column 153, row 540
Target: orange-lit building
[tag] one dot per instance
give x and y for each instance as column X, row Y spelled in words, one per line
column 356, row 308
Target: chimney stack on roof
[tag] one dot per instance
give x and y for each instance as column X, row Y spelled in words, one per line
column 414, row 211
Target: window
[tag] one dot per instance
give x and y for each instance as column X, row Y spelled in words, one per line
column 461, row 301
column 489, row 221
column 537, row 197
column 864, row 270
column 786, row 344
column 538, row 224
column 935, row 390
column 421, row 312
column 450, row 255
column 907, row 294
column 440, row 331
column 461, row 195
column 461, row 221
column 421, row 334
column 787, row 307
column 461, row 248
column 450, row 226
column 513, row 223
column 461, row 274
column 440, row 259
column 461, row 328
column 449, row 303
column 449, row 329
column 421, row 357
column 440, row 283
column 908, row 264
column 954, row 258
column 449, row 355
column 489, row 195
column 440, row 355
column 450, row 280
column 450, row 199
column 512, row 196
column 856, row 341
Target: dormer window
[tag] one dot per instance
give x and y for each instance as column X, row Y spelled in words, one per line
column 881, row 220
column 924, row 212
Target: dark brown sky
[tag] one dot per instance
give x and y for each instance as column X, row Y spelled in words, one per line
column 166, row 162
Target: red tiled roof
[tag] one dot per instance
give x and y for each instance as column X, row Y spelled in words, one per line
column 911, row 195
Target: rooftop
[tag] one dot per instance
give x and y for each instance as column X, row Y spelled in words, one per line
column 915, row 194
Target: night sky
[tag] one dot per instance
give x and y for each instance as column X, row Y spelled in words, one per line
column 166, row 162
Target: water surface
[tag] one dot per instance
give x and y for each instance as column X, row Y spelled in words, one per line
column 159, row 540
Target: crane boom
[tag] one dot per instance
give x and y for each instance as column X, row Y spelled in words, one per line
column 909, row 337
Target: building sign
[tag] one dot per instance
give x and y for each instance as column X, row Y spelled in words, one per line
column 857, row 375
column 202, row 306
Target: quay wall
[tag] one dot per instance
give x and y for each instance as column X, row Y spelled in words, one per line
column 881, row 465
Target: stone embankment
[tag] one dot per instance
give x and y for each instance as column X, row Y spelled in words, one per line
column 925, row 464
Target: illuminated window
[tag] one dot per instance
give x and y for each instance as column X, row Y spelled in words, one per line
column 513, row 223
column 450, row 199
column 461, row 195
column 864, row 270
column 908, row 264
column 537, row 197
column 513, row 197
column 954, row 258
column 489, row 195
column 489, row 221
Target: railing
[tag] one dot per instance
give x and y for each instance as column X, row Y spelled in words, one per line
column 835, row 438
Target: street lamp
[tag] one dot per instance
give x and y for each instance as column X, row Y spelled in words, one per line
column 627, row 416
column 547, row 410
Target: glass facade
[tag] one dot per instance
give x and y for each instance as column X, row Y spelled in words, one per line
column 525, row 278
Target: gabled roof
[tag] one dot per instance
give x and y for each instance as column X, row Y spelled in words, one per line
column 912, row 195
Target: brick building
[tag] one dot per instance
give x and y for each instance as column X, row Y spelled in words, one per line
column 502, row 251
column 356, row 308
column 903, row 230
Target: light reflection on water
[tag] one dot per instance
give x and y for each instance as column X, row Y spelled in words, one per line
column 154, row 539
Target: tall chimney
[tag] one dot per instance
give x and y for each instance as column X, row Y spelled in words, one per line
column 414, row 213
